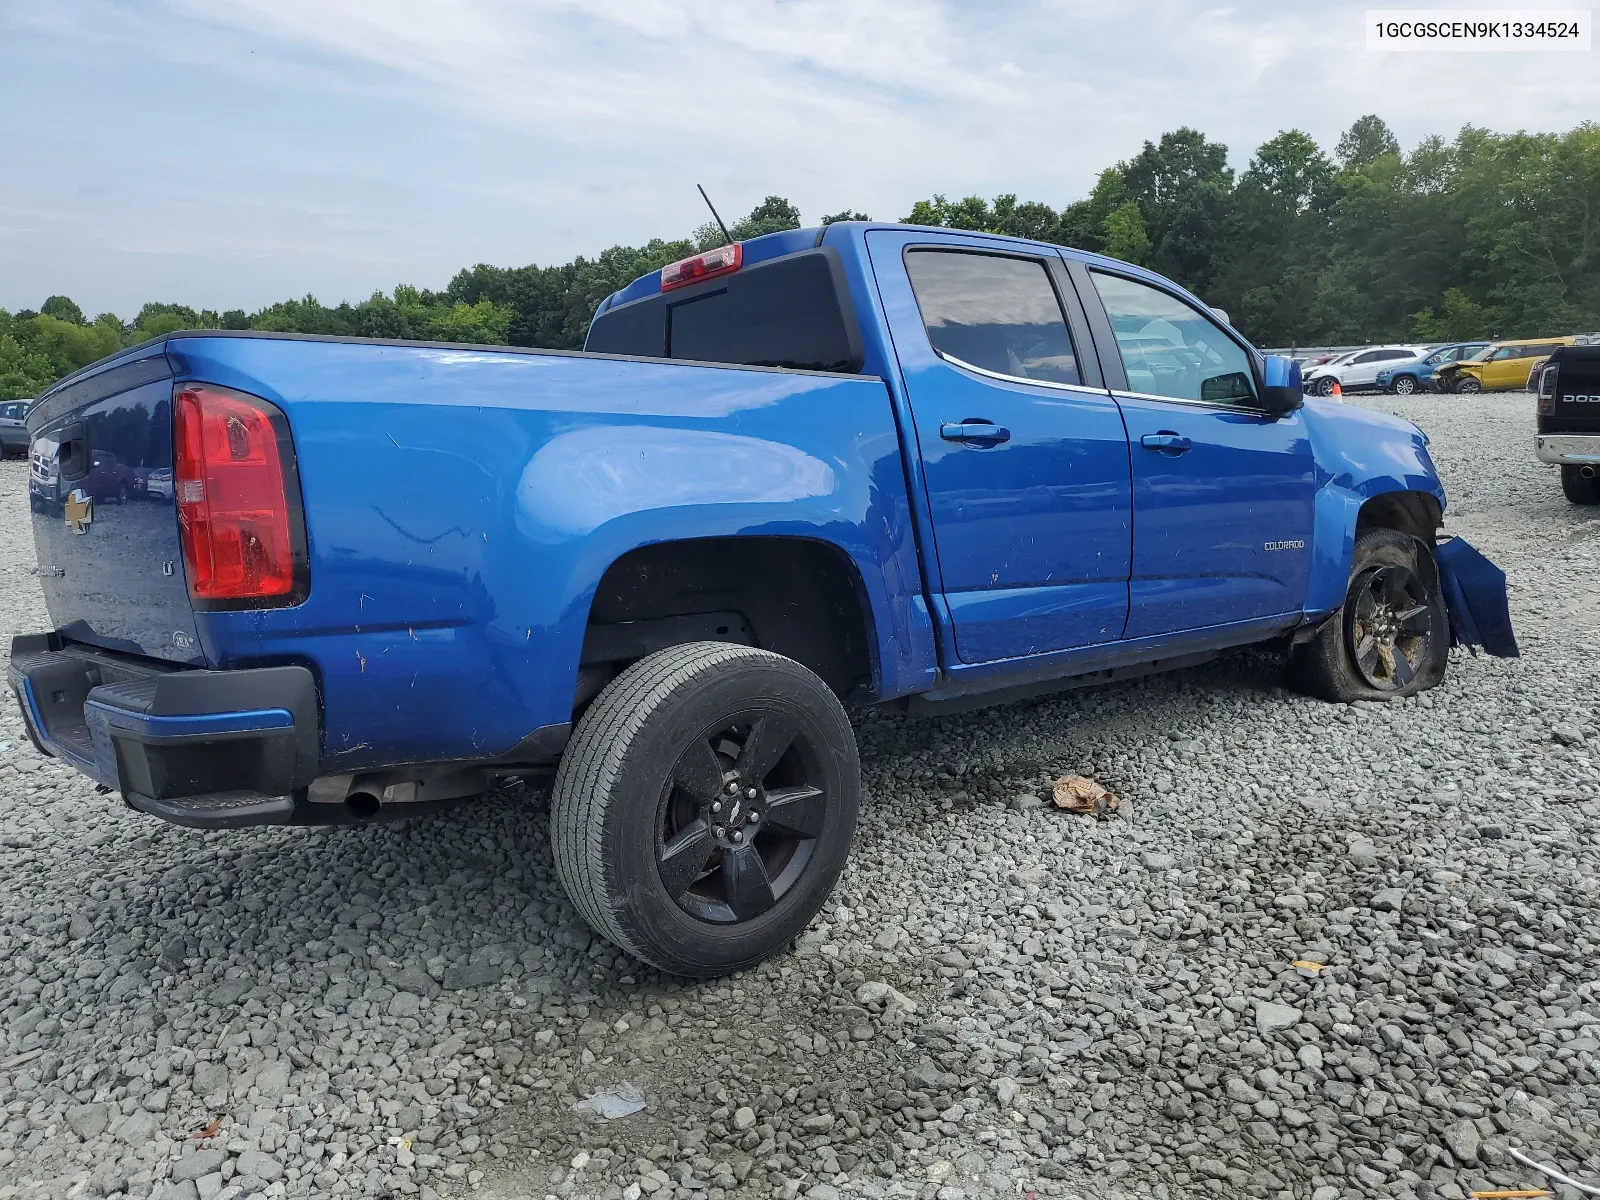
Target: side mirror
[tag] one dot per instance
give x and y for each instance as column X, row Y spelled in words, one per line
column 1225, row 389
column 1281, row 391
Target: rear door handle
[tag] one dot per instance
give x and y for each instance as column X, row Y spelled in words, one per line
column 1166, row 442
column 976, row 433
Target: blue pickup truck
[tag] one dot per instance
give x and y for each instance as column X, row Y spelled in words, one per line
column 863, row 464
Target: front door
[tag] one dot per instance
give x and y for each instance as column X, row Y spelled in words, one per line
column 1503, row 368
column 1025, row 461
column 1222, row 491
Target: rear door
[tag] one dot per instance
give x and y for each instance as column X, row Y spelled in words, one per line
column 1222, row 491
column 1363, row 369
column 1024, row 455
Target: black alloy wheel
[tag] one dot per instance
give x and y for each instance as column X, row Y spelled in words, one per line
column 1468, row 386
column 705, row 806
column 1324, row 385
column 1389, row 627
column 739, row 818
column 1390, row 638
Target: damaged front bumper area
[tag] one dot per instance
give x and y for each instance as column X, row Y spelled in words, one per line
column 206, row 749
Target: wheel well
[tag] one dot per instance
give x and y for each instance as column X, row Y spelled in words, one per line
column 800, row 598
column 1415, row 513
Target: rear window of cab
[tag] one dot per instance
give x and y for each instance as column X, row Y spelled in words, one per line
column 793, row 312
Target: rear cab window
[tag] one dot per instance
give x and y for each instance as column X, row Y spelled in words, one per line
column 793, row 311
column 996, row 313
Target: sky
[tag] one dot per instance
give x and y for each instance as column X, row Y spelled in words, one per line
column 228, row 155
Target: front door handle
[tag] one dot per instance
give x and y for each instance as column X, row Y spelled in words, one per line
column 976, row 433
column 1166, row 442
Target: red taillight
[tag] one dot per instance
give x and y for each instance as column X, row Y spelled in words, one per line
column 238, row 512
column 1547, row 391
column 722, row 261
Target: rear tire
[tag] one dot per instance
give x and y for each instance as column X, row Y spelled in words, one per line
column 705, row 806
column 1390, row 638
column 1578, row 489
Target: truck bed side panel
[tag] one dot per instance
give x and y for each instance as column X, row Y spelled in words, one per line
column 462, row 505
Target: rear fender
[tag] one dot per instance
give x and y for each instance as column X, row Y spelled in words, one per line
column 463, row 504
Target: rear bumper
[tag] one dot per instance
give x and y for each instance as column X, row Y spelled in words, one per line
column 214, row 749
column 1568, row 447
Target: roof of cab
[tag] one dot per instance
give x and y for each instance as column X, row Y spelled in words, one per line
column 790, row 241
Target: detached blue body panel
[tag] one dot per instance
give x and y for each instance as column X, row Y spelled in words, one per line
column 463, row 504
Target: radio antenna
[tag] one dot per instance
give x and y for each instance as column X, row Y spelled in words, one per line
column 727, row 238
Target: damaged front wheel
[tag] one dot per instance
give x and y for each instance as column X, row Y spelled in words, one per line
column 1391, row 637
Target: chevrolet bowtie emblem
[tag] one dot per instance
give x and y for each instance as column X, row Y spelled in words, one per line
column 79, row 509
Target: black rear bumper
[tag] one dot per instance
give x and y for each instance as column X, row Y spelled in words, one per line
column 211, row 749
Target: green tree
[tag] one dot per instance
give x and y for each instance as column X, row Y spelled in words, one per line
column 1459, row 319
column 1481, row 234
column 24, row 373
column 1124, row 235
column 772, row 215
column 1366, row 141
column 62, row 309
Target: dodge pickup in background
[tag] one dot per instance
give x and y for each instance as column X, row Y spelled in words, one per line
column 859, row 464
column 1569, row 420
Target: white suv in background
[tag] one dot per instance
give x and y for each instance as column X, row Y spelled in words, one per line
column 1358, row 369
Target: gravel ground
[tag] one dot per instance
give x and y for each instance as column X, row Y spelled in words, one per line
column 1002, row 999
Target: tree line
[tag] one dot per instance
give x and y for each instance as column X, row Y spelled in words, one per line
column 1486, row 235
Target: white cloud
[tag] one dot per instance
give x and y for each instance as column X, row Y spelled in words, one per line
column 236, row 153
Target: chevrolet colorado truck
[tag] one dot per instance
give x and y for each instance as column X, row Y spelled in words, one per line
column 1569, row 420
column 862, row 464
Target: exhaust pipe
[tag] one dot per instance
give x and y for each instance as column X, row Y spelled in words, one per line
column 1586, row 471
column 362, row 806
column 379, row 795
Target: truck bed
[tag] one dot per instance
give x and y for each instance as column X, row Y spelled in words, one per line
column 460, row 506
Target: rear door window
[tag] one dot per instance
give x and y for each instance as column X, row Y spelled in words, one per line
column 995, row 312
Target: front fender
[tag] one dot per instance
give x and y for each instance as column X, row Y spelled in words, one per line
column 1360, row 455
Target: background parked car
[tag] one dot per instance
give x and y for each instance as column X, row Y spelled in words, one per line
column 1357, row 369
column 1417, row 374
column 1505, row 366
column 13, row 430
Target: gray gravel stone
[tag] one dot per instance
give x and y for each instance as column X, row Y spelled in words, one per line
column 88, row 1121
column 1272, row 1017
column 1000, row 997
column 197, row 1163
column 1388, row 899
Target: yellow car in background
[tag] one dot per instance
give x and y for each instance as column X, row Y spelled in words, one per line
column 1505, row 366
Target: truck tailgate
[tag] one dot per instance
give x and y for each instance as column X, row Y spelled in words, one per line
column 104, row 516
